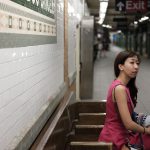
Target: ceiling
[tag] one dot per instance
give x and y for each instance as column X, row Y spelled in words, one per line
column 118, row 20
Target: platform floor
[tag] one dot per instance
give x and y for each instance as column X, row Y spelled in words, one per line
column 104, row 75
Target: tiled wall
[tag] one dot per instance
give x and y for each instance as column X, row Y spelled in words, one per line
column 75, row 13
column 30, row 74
column 28, row 78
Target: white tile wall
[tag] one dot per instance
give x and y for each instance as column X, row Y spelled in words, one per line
column 72, row 22
column 71, row 43
column 75, row 14
column 28, row 77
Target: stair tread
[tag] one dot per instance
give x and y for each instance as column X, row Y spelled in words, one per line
column 91, row 118
column 89, row 126
column 82, row 137
column 94, row 143
column 94, row 114
column 91, row 100
column 91, row 107
column 88, row 129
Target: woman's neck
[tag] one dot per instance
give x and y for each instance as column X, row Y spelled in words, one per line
column 124, row 80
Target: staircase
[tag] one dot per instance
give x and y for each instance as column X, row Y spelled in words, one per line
column 77, row 127
column 87, row 125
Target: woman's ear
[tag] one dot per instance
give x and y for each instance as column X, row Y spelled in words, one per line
column 120, row 67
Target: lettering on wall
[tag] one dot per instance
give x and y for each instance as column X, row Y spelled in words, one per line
column 31, row 22
column 136, row 5
column 45, row 7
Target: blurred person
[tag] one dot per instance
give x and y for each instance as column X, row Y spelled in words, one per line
column 99, row 48
column 104, row 47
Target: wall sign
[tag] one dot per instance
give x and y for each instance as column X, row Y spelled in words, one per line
column 120, row 5
column 31, row 22
column 136, row 5
column 131, row 6
column 45, row 7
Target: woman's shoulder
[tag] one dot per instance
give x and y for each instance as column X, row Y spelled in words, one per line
column 120, row 88
column 117, row 84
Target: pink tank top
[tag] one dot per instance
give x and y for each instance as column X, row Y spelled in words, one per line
column 114, row 131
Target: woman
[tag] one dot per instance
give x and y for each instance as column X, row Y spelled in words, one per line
column 121, row 100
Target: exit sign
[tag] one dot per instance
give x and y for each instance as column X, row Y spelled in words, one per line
column 136, row 5
column 120, row 5
column 133, row 5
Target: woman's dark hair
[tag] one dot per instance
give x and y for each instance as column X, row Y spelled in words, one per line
column 120, row 59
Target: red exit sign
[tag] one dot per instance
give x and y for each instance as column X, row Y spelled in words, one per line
column 136, row 5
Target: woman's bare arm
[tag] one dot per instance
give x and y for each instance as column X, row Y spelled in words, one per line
column 121, row 99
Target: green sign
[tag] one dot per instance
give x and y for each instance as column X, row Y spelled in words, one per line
column 45, row 7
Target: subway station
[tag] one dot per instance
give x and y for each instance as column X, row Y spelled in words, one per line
column 57, row 62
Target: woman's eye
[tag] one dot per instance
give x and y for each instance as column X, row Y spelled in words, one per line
column 132, row 62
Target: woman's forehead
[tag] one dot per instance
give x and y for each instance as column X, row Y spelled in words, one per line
column 133, row 58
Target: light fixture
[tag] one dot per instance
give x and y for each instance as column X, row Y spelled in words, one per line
column 70, row 9
column 135, row 22
column 102, row 10
column 143, row 19
column 119, row 31
column 78, row 16
column 107, row 26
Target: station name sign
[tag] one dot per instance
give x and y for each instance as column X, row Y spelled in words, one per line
column 132, row 5
column 45, row 7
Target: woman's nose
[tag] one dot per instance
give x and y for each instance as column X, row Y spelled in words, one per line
column 136, row 66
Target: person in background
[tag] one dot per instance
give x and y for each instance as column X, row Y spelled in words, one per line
column 100, row 46
column 121, row 101
column 104, row 47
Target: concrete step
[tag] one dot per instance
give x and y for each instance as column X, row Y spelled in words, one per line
column 91, row 106
column 91, row 118
column 90, row 146
column 88, row 129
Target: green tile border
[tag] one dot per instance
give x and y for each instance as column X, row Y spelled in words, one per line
column 7, row 40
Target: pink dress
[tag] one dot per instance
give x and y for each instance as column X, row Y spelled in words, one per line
column 114, row 131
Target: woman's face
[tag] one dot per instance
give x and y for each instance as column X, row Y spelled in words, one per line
column 130, row 66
